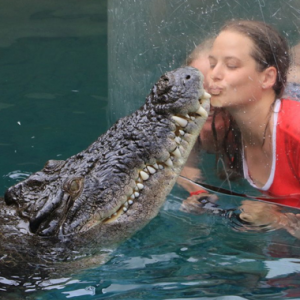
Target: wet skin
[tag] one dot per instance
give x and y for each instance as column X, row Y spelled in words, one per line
column 70, row 210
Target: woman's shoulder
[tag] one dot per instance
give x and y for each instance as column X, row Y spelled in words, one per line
column 288, row 119
column 290, row 106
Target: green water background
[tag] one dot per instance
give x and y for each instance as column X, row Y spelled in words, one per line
column 53, row 81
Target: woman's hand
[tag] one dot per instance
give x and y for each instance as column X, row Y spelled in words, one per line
column 199, row 204
column 269, row 215
column 260, row 213
column 293, row 224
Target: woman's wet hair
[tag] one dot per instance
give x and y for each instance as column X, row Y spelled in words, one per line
column 270, row 48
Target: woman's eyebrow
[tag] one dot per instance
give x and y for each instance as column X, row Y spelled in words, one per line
column 226, row 57
column 231, row 57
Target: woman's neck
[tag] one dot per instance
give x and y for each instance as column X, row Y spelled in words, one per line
column 256, row 125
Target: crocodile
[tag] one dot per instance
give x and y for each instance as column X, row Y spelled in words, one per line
column 64, row 214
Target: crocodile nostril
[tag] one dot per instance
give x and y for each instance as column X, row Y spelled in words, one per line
column 10, row 197
column 187, row 77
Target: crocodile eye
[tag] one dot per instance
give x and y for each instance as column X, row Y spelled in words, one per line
column 73, row 186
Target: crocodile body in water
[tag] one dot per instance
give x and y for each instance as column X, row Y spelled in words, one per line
column 62, row 215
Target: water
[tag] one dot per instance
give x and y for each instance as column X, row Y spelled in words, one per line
column 53, row 104
column 180, row 256
column 53, row 80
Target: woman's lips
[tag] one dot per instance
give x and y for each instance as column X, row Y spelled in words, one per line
column 215, row 91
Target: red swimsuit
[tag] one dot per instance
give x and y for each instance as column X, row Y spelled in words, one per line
column 284, row 179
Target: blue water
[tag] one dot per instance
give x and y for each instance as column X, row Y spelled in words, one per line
column 53, row 79
column 181, row 256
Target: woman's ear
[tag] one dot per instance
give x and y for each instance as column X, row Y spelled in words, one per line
column 269, row 77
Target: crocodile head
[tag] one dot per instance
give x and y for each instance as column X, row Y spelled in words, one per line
column 123, row 178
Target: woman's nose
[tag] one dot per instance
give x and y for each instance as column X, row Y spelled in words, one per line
column 216, row 73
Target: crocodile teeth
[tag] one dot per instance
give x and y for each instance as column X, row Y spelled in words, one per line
column 181, row 132
column 178, row 139
column 202, row 112
column 180, row 121
column 176, row 153
column 169, row 162
column 140, row 186
column 151, row 170
column 206, row 95
column 144, row 175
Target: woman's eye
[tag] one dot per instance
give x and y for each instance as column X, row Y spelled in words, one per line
column 231, row 67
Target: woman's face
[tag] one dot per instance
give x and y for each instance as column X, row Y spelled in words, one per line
column 233, row 78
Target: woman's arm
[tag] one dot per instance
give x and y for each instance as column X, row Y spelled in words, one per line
column 264, row 214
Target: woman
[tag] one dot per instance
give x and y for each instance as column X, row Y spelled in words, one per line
column 249, row 63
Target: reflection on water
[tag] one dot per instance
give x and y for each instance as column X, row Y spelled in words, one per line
column 53, row 69
column 17, row 175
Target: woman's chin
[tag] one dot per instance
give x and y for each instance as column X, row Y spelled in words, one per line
column 215, row 101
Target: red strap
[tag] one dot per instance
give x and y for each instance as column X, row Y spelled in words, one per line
column 197, row 192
